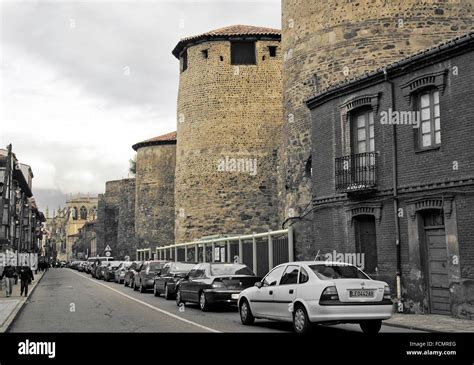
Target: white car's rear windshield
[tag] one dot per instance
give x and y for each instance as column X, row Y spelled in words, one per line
column 331, row 272
column 230, row 269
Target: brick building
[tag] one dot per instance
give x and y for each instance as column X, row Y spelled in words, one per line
column 394, row 175
column 229, row 119
column 326, row 42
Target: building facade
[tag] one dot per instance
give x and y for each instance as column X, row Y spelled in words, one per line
column 229, row 120
column 80, row 210
column 326, row 42
column 20, row 220
column 56, row 228
column 85, row 245
column 394, row 176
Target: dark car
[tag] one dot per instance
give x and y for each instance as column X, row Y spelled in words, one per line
column 145, row 275
column 100, row 269
column 109, row 272
column 130, row 273
column 213, row 283
column 172, row 272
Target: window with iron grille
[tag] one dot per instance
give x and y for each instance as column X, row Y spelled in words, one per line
column 243, row 53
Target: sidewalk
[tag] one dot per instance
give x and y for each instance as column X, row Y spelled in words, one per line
column 430, row 323
column 9, row 307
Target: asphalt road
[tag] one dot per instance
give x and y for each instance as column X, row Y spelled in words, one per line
column 70, row 301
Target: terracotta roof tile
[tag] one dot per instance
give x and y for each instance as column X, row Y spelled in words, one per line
column 230, row 31
column 168, row 138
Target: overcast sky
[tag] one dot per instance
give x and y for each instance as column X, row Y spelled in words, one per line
column 81, row 81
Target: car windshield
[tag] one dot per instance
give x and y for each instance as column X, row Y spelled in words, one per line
column 156, row 266
column 181, row 267
column 330, row 272
column 230, row 269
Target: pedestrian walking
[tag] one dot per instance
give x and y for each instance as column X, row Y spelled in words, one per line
column 26, row 277
column 8, row 274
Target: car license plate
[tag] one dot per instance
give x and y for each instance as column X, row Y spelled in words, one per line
column 357, row 293
column 235, row 296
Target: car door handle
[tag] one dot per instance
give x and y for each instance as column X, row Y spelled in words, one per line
column 291, row 291
column 270, row 292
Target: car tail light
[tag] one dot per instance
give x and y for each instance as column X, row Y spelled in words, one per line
column 330, row 293
column 218, row 284
column 386, row 292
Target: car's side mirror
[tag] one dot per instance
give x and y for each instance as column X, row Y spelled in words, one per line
column 258, row 284
column 158, row 272
column 186, row 277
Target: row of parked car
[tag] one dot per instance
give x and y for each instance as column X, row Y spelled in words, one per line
column 303, row 293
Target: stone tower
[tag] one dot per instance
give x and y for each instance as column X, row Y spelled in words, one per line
column 229, row 126
column 325, row 42
column 154, row 191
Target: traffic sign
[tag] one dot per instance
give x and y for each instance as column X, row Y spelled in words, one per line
column 107, row 253
column 108, row 248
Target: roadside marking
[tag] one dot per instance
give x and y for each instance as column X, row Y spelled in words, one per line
column 150, row 306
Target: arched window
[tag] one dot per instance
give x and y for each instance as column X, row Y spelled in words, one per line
column 93, row 212
column 74, row 213
column 83, row 212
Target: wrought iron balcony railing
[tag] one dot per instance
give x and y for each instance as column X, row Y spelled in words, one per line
column 356, row 172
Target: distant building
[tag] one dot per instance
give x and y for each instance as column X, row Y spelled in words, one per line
column 80, row 210
column 20, row 220
column 85, row 245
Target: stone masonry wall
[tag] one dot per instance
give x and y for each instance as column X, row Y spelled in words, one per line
column 154, row 205
column 229, row 112
column 115, row 224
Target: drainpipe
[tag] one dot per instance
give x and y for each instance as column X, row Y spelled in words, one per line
column 395, row 190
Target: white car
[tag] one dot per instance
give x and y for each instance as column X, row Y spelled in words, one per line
column 317, row 292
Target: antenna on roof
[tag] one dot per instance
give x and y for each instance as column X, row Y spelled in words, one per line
column 316, row 257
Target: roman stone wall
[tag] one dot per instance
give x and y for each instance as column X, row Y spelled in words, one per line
column 154, row 205
column 229, row 128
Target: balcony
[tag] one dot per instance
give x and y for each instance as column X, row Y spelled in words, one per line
column 356, row 173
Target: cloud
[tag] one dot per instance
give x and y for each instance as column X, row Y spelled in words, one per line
column 80, row 82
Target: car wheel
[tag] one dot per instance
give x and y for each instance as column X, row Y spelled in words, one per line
column 371, row 327
column 203, row 302
column 246, row 315
column 155, row 291
column 178, row 296
column 301, row 322
column 167, row 293
column 142, row 289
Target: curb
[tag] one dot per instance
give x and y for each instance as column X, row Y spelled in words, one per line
column 13, row 315
column 411, row 327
